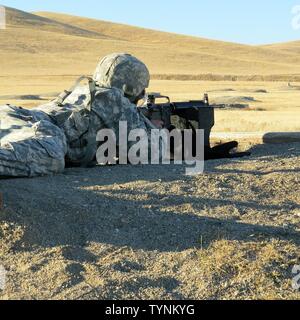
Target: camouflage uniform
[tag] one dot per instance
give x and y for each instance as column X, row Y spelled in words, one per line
column 38, row 141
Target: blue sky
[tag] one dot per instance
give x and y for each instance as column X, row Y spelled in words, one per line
column 244, row 21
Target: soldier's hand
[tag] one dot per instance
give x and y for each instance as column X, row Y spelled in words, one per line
column 159, row 124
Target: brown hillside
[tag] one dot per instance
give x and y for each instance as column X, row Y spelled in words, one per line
column 56, row 44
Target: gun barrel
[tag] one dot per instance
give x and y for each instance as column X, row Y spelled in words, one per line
column 186, row 105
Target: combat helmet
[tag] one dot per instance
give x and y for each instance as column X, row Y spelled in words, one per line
column 123, row 71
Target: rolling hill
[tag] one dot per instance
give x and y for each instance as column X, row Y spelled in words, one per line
column 44, row 43
column 289, row 47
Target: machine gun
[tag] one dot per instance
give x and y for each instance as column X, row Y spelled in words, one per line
column 194, row 114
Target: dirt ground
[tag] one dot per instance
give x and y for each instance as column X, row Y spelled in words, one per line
column 151, row 232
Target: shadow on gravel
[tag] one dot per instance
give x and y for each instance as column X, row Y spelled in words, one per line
column 41, row 97
column 168, row 284
column 67, row 210
column 257, row 173
column 258, row 152
column 137, row 228
column 119, row 222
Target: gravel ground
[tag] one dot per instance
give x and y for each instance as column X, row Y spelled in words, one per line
column 150, row 232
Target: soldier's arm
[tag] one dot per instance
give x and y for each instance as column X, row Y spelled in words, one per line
column 112, row 107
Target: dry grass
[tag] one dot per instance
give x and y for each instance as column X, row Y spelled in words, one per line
column 43, row 54
column 61, row 44
column 273, row 110
column 255, row 270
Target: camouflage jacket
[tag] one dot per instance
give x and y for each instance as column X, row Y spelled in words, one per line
column 81, row 120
